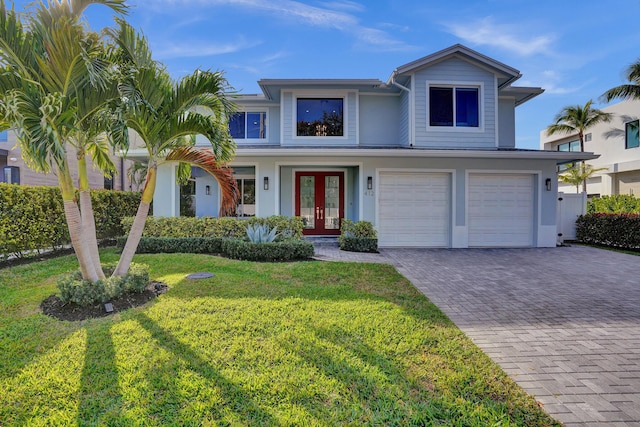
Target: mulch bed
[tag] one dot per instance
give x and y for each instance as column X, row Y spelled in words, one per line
column 54, row 307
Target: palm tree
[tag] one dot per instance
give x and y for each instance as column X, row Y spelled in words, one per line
column 626, row 91
column 578, row 119
column 49, row 67
column 578, row 174
column 166, row 114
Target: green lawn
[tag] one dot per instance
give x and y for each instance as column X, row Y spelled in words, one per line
column 309, row 343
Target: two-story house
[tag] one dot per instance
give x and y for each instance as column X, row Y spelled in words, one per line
column 428, row 156
column 618, row 144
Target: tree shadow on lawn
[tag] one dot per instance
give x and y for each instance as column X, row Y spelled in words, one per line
column 240, row 402
column 100, row 401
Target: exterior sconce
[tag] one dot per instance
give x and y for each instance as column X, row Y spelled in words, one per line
column 547, row 184
column 369, row 183
column 266, row 183
column 207, row 190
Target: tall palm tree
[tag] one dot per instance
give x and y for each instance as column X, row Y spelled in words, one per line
column 48, row 66
column 626, row 91
column 577, row 119
column 165, row 114
column 578, row 174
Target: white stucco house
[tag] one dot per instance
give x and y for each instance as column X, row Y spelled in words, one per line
column 618, row 145
column 428, row 156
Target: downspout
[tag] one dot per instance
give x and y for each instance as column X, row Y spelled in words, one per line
column 410, row 106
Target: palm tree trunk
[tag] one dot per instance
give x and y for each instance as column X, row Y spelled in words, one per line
column 88, row 220
column 74, row 223
column 135, row 234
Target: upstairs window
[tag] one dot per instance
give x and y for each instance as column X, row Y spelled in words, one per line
column 320, row 117
column 569, row 146
column 248, row 125
column 454, row 106
column 631, row 134
column 3, row 136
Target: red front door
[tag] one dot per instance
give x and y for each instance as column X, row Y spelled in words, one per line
column 320, row 201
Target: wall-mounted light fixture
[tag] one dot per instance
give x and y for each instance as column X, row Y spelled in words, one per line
column 266, row 183
column 547, row 184
column 207, row 190
column 369, row 183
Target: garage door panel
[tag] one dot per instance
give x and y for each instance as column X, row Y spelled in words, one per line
column 501, row 209
column 413, row 209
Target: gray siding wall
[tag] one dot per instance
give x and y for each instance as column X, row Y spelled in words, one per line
column 380, row 120
column 447, row 72
column 507, row 123
column 404, row 120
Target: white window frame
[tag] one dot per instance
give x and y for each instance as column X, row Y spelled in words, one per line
column 266, row 121
column 454, row 86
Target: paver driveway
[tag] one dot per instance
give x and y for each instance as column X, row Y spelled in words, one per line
column 563, row 322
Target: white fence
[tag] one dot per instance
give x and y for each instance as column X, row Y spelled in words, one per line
column 569, row 207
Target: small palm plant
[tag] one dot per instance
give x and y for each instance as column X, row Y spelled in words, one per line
column 260, row 233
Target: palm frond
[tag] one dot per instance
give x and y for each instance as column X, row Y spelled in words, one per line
column 206, row 160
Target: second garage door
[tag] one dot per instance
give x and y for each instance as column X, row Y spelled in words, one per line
column 414, row 209
column 501, row 210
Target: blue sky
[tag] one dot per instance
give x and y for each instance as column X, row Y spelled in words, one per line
column 575, row 50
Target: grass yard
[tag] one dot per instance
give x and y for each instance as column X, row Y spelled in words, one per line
column 291, row 344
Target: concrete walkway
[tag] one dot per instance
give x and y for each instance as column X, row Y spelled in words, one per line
column 563, row 322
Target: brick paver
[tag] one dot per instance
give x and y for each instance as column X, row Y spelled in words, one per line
column 563, row 322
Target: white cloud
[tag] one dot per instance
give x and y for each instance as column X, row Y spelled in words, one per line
column 485, row 32
column 190, row 49
column 337, row 15
column 552, row 83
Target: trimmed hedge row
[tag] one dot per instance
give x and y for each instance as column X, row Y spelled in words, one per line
column 618, row 230
column 169, row 245
column 32, row 218
column 288, row 227
column 287, row 250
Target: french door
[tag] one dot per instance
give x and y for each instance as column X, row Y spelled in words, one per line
column 320, row 201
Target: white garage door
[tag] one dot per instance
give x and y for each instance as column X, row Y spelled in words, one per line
column 413, row 209
column 501, row 210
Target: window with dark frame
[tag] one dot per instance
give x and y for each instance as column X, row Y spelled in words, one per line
column 248, row 125
column 454, row 106
column 320, row 117
column 631, row 139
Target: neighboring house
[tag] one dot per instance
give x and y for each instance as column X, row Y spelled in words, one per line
column 14, row 170
column 618, row 145
column 428, row 156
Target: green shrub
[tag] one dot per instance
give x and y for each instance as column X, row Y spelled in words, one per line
column 32, row 218
column 289, row 250
column 82, row 292
column 195, row 245
column 618, row 230
column 358, row 236
column 619, row 204
column 358, row 244
column 288, row 227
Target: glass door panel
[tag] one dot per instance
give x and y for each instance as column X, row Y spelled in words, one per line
column 332, row 203
column 307, row 196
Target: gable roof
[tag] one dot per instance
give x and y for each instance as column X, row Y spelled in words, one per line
column 506, row 74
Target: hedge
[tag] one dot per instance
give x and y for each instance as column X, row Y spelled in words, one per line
column 618, row 230
column 620, row 203
column 358, row 236
column 288, row 227
column 32, row 218
column 195, row 245
column 289, row 250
